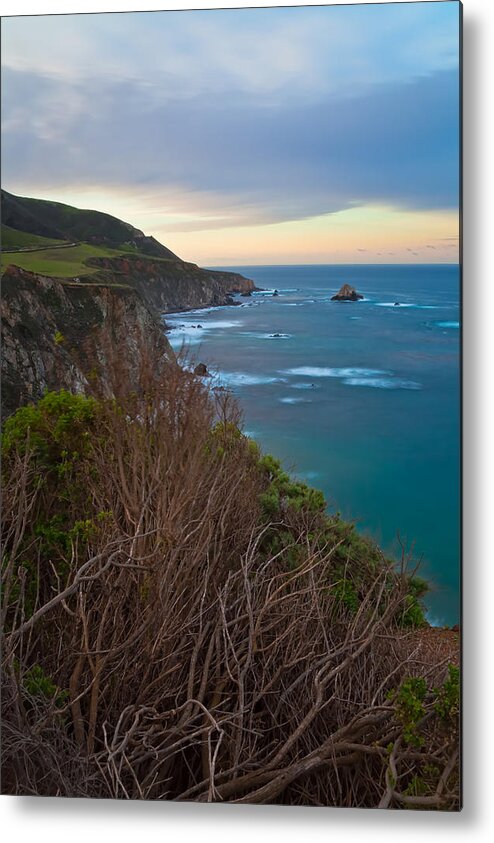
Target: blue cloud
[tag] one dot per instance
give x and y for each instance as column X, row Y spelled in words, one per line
column 258, row 120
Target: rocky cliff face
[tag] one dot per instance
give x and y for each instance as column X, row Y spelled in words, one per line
column 60, row 334
column 174, row 285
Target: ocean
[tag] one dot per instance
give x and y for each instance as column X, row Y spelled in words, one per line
column 359, row 399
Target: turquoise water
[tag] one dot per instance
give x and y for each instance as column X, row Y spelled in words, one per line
column 361, row 399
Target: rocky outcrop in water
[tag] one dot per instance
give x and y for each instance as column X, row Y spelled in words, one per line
column 347, row 293
column 202, row 370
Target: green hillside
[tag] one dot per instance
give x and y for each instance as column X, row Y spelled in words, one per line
column 55, row 220
column 59, row 263
column 13, row 239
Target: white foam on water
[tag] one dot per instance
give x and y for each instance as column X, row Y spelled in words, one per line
column 332, row 301
column 382, row 383
column 219, row 324
column 275, row 336
column 326, row 372
column 179, row 326
column 403, row 304
column 303, row 385
column 434, row 621
column 277, row 289
column 392, row 304
column 288, row 400
column 233, row 379
column 191, row 333
column 179, row 315
column 180, row 336
column 308, row 475
column 250, row 433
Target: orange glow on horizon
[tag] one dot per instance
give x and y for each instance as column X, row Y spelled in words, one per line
column 362, row 234
column 367, row 234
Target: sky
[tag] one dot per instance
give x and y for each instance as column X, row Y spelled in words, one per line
column 252, row 136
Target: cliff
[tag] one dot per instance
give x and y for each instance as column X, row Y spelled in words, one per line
column 60, row 334
column 81, row 287
column 172, row 285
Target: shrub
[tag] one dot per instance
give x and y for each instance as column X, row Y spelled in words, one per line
column 56, row 429
column 219, row 636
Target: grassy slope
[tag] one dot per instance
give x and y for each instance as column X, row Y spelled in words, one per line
column 59, row 263
column 71, row 261
column 55, row 219
column 12, row 239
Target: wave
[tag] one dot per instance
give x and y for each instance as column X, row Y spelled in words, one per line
column 251, row 434
column 376, row 378
column 198, row 311
column 236, row 379
column 403, row 304
column 206, row 326
column 326, row 372
column 275, row 336
column 383, row 383
column 277, row 289
column 191, row 333
column 447, row 324
column 307, row 476
column 434, row 620
column 289, row 400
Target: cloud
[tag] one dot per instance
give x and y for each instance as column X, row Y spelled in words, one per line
column 398, row 145
column 231, row 118
column 291, row 51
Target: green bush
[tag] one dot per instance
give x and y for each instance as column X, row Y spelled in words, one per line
column 284, row 490
column 447, row 704
column 57, row 428
column 409, row 703
column 38, row 684
column 344, row 591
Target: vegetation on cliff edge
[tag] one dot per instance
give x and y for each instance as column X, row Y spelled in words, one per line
column 183, row 620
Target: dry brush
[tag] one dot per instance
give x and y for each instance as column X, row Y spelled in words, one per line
column 179, row 623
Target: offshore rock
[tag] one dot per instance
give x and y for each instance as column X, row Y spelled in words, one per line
column 347, row 293
column 202, row 370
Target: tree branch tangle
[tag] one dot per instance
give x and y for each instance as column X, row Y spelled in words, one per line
column 184, row 622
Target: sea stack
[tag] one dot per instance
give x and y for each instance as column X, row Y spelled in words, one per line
column 346, row 293
column 202, row 370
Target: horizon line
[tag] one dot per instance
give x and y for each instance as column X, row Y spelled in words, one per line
column 347, row 263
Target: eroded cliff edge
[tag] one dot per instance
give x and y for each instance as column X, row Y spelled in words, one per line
column 60, row 334
column 80, row 289
column 171, row 285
